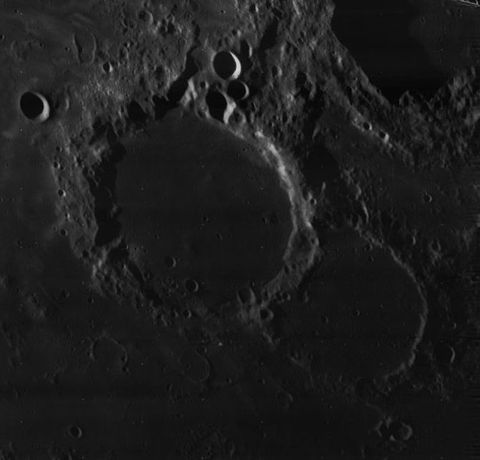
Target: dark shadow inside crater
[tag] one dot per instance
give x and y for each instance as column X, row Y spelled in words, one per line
column 192, row 192
column 378, row 35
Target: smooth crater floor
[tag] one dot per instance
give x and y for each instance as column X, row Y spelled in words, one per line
column 192, row 191
column 358, row 295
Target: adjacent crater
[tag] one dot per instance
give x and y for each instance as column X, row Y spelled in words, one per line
column 359, row 294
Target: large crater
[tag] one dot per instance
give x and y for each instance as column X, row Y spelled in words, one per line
column 201, row 209
column 362, row 313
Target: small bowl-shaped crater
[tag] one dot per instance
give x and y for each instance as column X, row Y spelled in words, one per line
column 217, row 105
column 238, row 90
column 170, row 262
column 191, row 286
column 266, row 315
column 227, row 65
column 34, row 106
column 75, row 431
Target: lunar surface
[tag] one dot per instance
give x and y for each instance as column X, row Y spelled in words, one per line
column 239, row 230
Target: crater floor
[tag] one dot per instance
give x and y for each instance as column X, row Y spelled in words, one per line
column 197, row 203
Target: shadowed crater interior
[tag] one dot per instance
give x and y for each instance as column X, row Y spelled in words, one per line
column 379, row 36
column 193, row 193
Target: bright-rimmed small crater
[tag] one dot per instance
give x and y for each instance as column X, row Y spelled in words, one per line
column 227, row 65
column 34, row 106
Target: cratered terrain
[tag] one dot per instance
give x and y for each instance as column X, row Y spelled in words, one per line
column 239, row 230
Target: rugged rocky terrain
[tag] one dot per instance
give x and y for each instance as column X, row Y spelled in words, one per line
column 231, row 232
